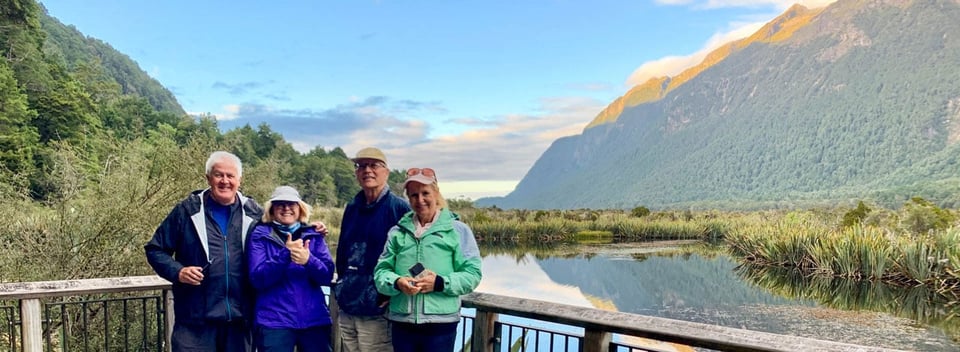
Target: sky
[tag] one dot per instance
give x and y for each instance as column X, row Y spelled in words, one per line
column 476, row 90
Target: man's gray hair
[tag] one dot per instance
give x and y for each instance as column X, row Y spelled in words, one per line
column 219, row 156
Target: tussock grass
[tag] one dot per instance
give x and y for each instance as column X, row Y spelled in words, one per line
column 859, row 252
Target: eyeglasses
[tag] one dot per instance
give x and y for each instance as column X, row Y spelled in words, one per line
column 373, row 166
column 283, row 204
column 428, row 172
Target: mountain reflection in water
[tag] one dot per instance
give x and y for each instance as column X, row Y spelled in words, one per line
column 699, row 284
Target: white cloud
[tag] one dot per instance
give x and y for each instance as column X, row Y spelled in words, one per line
column 666, row 66
column 501, row 150
column 229, row 112
column 673, row 65
column 488, row 159
column 477, row 189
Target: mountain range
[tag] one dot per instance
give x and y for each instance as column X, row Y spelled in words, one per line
column 859, row 100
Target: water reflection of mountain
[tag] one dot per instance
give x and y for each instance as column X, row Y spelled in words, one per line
column 659, row 283
column 695, row 288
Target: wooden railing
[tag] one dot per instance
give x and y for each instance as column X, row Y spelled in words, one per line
column 598, row 325
column 30, row 293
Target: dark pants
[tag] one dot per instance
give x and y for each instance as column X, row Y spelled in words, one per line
column 315, row 339
column 212, row 336
column 423, row 337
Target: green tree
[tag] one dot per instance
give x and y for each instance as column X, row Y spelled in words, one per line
column 640, row 212
column 18, row 138
column 855, row 216
column 310, row 175
column 344, row 176
column 920, row 216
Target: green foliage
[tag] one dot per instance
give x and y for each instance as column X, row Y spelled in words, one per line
column 640, row 211
column 458, row 204
column 67, row 101
column 96, row 225
column 920, row 216
column 18, row 137
column 540, row 215
column 864, row 252
column 479, row 217
column 104, row 71
column 855, row 216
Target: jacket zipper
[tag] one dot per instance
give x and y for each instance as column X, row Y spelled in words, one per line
column 226, row 269
column 419, row 300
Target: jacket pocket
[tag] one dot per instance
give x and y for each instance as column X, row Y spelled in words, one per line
column 401, row 304
column 441, row 304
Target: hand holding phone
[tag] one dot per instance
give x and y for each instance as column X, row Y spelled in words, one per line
column 416, row 270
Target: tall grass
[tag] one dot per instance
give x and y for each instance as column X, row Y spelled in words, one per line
column 858, row 252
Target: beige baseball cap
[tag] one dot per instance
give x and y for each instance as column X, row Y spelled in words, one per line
column 370, row 153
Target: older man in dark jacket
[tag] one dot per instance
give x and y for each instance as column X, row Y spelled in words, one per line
column 363, row 233
column 199, row 247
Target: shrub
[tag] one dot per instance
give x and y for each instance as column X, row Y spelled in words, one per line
column 855, row 216
column 640, row 212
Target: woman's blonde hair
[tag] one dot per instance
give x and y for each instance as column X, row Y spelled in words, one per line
column 304, row 212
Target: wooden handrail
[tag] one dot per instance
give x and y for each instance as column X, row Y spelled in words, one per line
column 598, row 324
column 30, row 293
column 62, row 288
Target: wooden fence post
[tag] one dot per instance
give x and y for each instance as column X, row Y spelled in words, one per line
column 596, row 340
column 334, row 308
column 168, row 320
column 484, row 331
column 32, row 325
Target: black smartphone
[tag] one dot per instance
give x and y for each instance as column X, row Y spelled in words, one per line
column 416, row 269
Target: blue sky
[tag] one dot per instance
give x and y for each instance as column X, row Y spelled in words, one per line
column 475, row 89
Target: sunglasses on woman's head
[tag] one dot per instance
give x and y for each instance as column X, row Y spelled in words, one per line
column 424, row 171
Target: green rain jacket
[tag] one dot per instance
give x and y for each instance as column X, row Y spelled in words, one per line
column 447, row 248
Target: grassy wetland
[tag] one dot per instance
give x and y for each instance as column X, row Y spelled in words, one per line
column 96, row 224
column 916, row 245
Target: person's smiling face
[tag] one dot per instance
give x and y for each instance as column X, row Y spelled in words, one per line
column 372, row 174
column 224, row 181
column 284, row 212
column 423, row 200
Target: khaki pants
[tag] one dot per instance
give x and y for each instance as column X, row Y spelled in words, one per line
column 364, row 334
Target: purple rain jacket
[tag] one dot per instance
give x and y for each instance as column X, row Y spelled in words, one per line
column 289, row 295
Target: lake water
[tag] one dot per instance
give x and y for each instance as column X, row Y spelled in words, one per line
column 697, row 283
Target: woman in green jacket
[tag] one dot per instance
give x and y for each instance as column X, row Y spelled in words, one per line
column 429, row 261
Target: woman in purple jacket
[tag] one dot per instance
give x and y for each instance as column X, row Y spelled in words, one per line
column 289, row 261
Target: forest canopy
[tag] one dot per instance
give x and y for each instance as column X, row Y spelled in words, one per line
column 62, row 93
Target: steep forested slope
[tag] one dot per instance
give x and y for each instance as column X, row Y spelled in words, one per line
column 862, row 102
column 78, row 52
column 71, row 106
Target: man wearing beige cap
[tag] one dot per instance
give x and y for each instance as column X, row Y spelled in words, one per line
column 363, row 233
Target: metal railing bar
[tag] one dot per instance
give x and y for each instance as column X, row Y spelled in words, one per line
column 86, row 321
column 126, row 327
column 143, row 324
column 46, row 327
column 161, row 327
column 65, row 326
column 106, row 326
